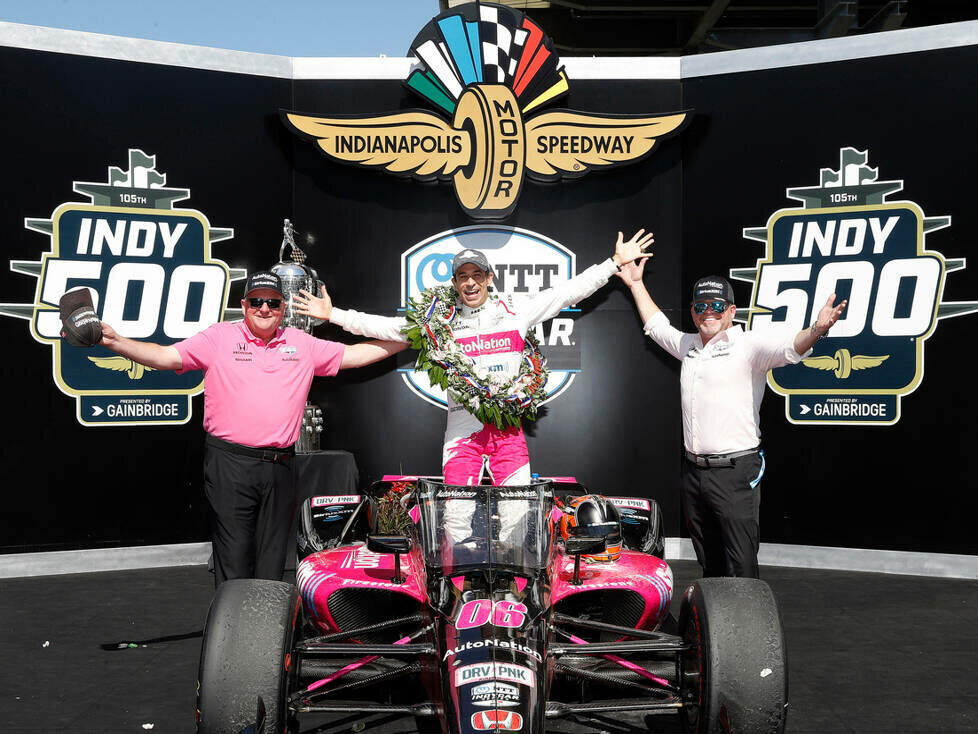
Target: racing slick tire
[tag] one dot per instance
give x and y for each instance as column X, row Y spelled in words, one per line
column 246, row 653
column 734, row 679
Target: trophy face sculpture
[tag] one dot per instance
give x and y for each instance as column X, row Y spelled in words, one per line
column 295, row 274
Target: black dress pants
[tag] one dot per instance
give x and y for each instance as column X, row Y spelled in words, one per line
column 722, row 508
column 252, row 503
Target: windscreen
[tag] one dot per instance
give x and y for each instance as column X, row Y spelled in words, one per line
column 506, row 527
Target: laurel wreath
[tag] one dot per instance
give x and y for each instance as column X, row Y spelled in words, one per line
column 490, row 397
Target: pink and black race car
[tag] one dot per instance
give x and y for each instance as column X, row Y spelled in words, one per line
column 488, row 608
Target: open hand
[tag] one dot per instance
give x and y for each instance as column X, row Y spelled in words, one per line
column 309, row 305
column 829, row 315
column 634, row 249
column 631, row 273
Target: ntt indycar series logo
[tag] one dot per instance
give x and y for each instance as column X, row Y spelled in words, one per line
column 486, row 67
column 151, row 274
column 848, row 238
column 523, row 263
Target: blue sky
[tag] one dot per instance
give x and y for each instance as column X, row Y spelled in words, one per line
column 281, row 27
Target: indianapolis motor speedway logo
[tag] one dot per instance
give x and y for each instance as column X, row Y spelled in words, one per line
column 486, row 66
column 151, row 274
column 848, row 238
column 524, row 262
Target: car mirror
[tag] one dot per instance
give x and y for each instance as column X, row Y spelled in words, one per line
column 396, row 544
column 388, row 543
column 578, row 545
column 575, row 546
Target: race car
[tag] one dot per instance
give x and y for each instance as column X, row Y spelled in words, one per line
column 483, row 608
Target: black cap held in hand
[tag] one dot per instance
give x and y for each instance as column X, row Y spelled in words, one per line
column 80, row 325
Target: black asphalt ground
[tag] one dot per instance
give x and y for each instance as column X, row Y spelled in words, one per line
column 117, row 652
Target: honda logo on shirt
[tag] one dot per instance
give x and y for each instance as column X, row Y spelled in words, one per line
column 494, row 719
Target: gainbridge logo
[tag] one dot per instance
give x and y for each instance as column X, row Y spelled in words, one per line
column 488, row 67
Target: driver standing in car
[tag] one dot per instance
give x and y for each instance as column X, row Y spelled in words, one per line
column 724, row 370
column 493, row 329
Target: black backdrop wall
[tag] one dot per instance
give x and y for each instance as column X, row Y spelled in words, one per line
column 902, row 486
column 754, row 134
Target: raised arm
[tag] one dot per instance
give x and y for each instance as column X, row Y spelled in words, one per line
column 547, row 304
column 386, row 328
column 656, row 326
column 830, row 313
column 152, row 355
column 631, row 275
column 364, row 353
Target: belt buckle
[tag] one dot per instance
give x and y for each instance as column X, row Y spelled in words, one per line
column 270, row 456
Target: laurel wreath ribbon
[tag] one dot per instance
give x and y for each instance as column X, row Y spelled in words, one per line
column 490, row 397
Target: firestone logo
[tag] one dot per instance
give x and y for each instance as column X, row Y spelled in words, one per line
column 486, row 66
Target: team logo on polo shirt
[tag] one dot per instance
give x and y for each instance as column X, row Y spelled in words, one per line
column 486, row 67
column 850, row 239
column 152, row 277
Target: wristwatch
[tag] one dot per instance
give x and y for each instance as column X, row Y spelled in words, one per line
column 815, row 333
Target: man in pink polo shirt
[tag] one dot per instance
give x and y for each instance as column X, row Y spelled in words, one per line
column 256, row 379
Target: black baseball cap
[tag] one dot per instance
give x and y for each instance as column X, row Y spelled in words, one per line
column 713, row 287
column 263, row 279
column 476, row 257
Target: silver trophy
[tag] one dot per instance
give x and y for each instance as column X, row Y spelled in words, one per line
column 295, row 274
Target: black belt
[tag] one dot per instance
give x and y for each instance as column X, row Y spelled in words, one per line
column 708, row 461
column 273, row 454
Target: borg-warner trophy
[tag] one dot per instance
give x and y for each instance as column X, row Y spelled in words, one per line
column 295, row 274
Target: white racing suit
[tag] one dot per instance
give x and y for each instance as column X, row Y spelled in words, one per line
column 492, row 335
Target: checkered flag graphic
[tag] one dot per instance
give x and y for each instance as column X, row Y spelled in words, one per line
column 502, row 43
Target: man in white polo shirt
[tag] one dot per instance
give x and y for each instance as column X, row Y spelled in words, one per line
column 724, row 370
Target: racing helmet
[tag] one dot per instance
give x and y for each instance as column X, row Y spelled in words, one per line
column 594, row 516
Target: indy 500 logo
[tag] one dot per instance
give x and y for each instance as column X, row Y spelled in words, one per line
column 848, row 239
column 523, row 263
column 152, row 277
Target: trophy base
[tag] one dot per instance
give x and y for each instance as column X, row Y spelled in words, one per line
column 312, row 426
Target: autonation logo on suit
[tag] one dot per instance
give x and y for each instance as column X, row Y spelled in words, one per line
column 150, row 270
column 848, row 238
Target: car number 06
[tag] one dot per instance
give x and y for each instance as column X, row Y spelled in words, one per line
column 504, row 613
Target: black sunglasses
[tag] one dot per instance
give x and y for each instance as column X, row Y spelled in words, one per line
column 273, row 303
column 718, row 306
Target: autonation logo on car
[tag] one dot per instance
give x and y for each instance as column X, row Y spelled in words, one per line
column 523, row 263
